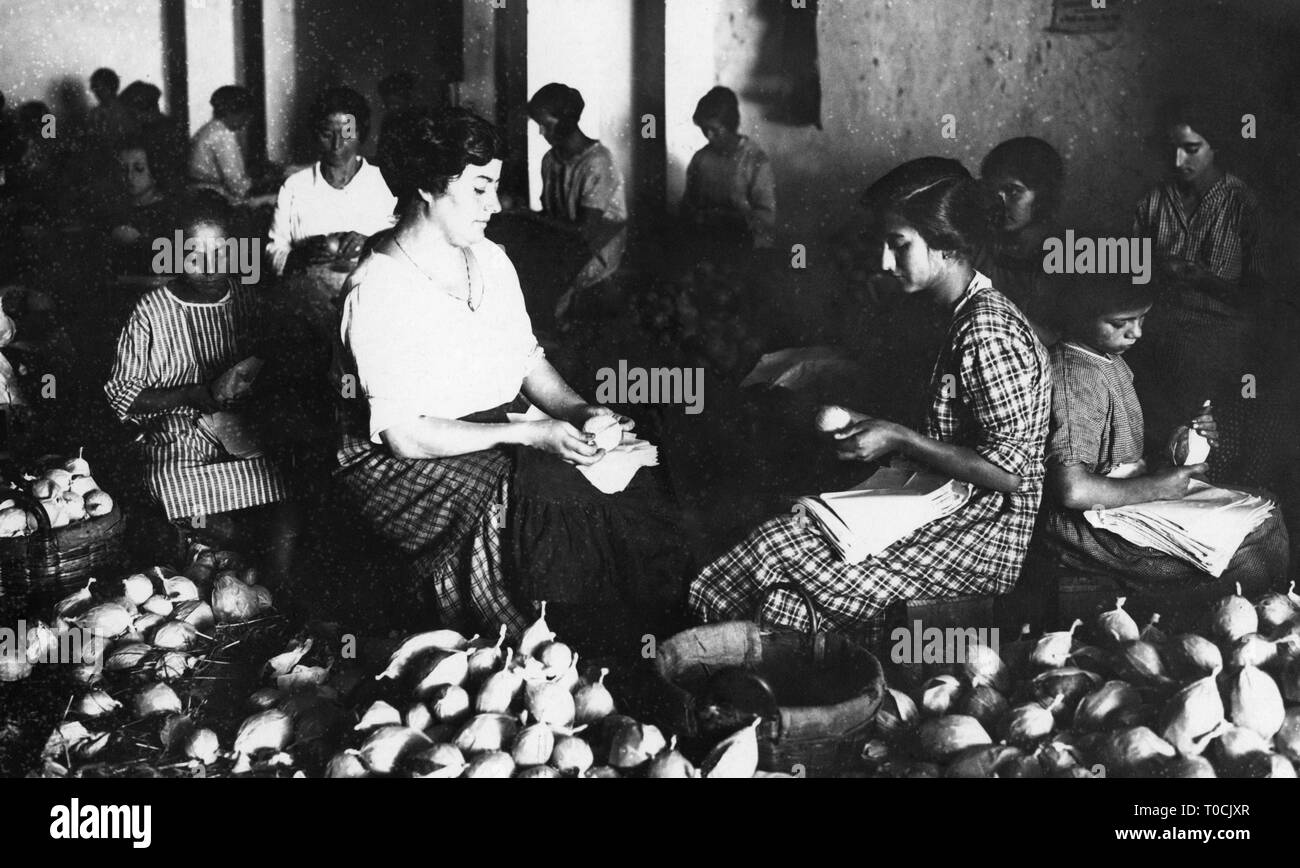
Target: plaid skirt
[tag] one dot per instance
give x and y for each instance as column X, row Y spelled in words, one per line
column 445, row 516
column 492, row 532
column 966, row 553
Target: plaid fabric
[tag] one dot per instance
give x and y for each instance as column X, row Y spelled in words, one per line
column 446, row 515
column 990, row 391
column 1096, row 417
column 1222, row 233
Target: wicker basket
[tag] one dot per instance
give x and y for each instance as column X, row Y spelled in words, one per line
column 837, row 684
column 48, row 564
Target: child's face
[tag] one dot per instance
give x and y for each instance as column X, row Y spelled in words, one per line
column 907, row 257
column 1114, row 332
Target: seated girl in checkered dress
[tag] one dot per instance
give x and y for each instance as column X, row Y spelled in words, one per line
column 986, row 424
column 1095, row 453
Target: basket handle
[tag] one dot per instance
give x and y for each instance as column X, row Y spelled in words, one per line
column 816, row 638
column 30, row 504
column 40, row 544
column 814, row 615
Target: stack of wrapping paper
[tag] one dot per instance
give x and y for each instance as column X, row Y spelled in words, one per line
column 892, row 504
column 1205, row 528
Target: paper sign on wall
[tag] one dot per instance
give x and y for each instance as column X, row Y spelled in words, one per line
column 1085, row 16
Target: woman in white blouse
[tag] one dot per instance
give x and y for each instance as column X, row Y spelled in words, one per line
column 327, row 212
column 435, row 345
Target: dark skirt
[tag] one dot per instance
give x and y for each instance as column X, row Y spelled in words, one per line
column 1079, row 549
column 491, row 533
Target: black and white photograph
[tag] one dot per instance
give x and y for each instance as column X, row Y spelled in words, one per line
column 813, row 389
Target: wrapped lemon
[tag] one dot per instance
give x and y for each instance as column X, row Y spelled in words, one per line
column 607, row 430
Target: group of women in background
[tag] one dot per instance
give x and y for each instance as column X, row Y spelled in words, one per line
column 1030, row 399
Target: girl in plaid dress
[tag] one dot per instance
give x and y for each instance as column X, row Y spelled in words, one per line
column 435, row 344
column 990, row 394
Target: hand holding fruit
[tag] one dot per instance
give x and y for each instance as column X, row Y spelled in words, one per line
column 604, row 428
column 562, row 439
column 350, row 244
column 233, row 385
column 867, row 439
column 1205, row 425
column 832, row 418
column 1191, row 443
column 1172, row 482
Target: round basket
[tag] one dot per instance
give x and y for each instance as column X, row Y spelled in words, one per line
column 48, row 564
column 817, row 692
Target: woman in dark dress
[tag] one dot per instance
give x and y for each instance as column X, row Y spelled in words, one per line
column 435, row 345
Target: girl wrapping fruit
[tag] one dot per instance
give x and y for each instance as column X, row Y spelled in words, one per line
column 185, row 368
column 986, row 425
column 436, row 346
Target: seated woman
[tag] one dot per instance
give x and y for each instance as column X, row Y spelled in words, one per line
column 144, row 213
column 165, row 137
column 1206, row 230
column 185, row 363
column 1095, row 455
column 217, row 160
column 435, row 344
column 1026, row 174
column 582, row 196
column 987, row 422
column 328, row 211
column 730, row 188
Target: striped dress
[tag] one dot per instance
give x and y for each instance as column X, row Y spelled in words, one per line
column 990, row 390
column 169, row 343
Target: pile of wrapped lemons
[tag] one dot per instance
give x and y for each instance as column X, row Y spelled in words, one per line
column 129, row 648
column 1128, row 702
column 67, row 492
column 477, row 710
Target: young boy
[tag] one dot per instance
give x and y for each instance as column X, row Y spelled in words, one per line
column 1096, row 455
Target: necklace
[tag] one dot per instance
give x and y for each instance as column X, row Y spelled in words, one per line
column 469, row 278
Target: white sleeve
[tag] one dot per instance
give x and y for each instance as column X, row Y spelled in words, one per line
column 281, row 243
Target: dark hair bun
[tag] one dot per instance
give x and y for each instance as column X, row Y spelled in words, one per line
column 428, row 149
column 939, row 198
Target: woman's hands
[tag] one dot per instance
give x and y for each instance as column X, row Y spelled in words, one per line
column 866, row 439
column 340, row 245
column 562, row 439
